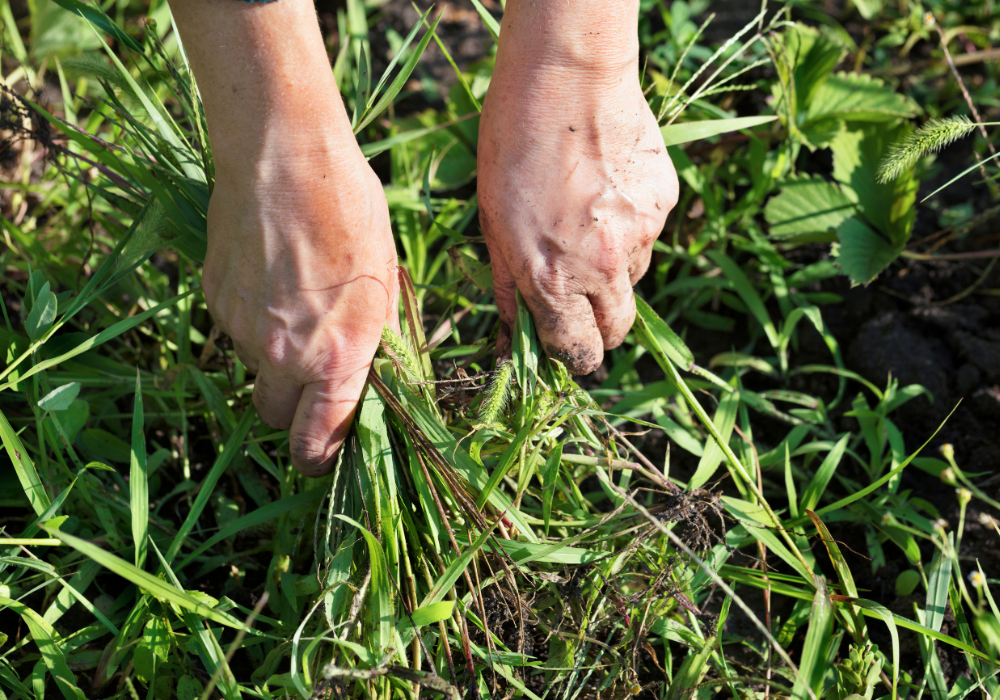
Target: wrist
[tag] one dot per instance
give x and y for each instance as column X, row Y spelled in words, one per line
column 599, row 37
column 264, row 78
column 282, row 125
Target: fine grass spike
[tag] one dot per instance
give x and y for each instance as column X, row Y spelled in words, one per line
column 677, row 67
column 397, row 349
column 498, row 394
column 930, row 138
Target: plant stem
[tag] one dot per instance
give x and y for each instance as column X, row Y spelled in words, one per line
column 975, row 255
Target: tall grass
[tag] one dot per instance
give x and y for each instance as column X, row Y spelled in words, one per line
column 490, row 529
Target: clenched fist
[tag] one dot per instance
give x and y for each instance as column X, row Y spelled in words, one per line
column 301, row 266
column 574, row 180
column 301, row 273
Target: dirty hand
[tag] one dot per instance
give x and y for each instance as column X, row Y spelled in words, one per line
column 301, row 265
column 574, row 181
column 301, row 273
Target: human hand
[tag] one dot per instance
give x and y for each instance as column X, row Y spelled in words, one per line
column 301, row 266
column 301, row 273
column 575, row 183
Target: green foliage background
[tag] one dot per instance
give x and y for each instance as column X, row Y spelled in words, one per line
column 164, row 548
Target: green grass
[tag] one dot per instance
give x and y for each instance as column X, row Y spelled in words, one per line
column 513, row 534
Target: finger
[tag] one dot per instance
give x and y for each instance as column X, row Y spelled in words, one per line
column 638, row 264
column 614, row 311
column 567, row 329
column 246, row 357
column 322, row 421
column 504, row 289
column 275, row 398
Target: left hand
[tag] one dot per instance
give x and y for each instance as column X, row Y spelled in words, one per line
column 575, row 185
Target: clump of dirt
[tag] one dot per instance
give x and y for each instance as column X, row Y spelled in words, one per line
column 884, row 345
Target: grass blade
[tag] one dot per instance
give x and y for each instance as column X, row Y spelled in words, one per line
column 24, row 467
column 380, row 610
column 676, row 134
column 257, row 517
column 811, row 667
column 208, row 485
column 46, row 638
column 154, row 585
column 810, row 499
column 138, row 482
column 491, row 24
column 400, row 80
column 104, row 336
column 876, row 610
column 747, row 293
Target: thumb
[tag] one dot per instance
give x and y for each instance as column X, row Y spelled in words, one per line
column 322, row 420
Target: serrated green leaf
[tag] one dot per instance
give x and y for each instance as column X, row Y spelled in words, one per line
column 886, row 207
column 859, row 97
column 862, row 253
column 809, row 56
column 822, row 132
column 807, row 204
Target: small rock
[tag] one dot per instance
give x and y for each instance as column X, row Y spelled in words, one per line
column 951, row 318
column 987, row 400
column 984, row 354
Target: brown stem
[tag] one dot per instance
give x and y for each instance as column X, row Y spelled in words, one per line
column 975, row 255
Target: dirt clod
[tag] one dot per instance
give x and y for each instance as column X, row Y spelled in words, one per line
column 886, row 345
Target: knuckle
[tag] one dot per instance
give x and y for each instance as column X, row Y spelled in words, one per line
column 555, row 284
column 273, row 347
column 610, row 262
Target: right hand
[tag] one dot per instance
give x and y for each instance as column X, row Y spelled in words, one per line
column 301, row 273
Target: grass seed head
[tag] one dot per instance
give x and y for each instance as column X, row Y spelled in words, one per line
column 930, row 138
column 498, row 394
column 398, row 351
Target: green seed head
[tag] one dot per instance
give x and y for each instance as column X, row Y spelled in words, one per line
column 498, row 393
column 930, row 138
column 399, row 351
